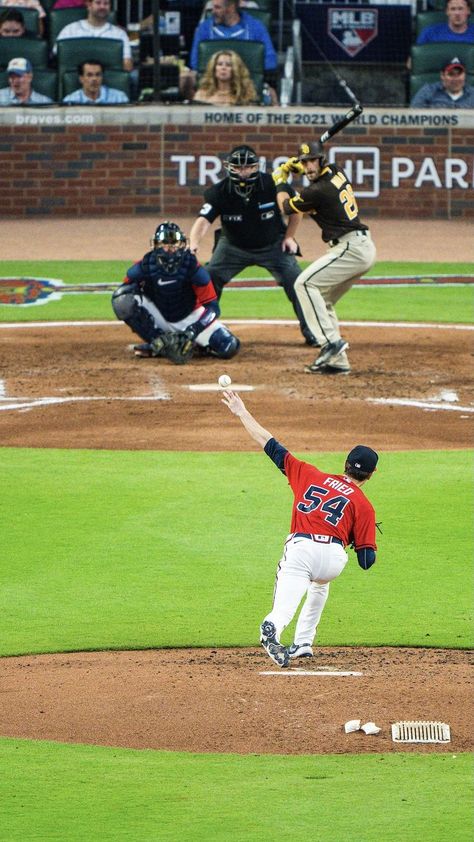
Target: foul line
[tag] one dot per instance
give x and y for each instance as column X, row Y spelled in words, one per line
column 433, row 405
column 281, row 322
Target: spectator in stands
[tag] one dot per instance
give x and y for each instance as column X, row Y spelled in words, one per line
column 226, row 81
column 97, row 25
column 450, row 92
column 20, row 90
column 28, row 4
column 229, row 21
column 12, row 24
column 456, row 29
column 92, row 90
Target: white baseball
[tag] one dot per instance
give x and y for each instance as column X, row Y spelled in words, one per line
column 224, row 381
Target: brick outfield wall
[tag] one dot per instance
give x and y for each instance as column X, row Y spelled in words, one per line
column 125, row 170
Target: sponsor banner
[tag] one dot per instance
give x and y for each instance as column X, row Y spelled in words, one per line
column 362, row 164
column 155, row 115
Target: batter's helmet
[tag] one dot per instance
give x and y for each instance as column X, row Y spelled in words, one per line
column 169, row 234
column 311, row 150
column 242, row 156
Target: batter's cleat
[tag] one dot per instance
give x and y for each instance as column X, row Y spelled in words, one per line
column 330, row 350
column 329, row 369
column 143, row 350
column 274, row 649
column 300, row 650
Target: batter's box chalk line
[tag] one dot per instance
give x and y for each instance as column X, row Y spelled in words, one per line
column 298, row 672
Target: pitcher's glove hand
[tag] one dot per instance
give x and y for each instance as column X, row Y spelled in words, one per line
column 292, row 165
column 176, row 346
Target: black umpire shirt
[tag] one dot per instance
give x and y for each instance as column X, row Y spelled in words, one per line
column 247, row 224
column 329, row 201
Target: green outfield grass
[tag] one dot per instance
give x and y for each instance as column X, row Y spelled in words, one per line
column 98, row 556
column 52, row 791
column 424, row 302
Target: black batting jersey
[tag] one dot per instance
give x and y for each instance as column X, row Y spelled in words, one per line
column 251, row 223
column 330, row 202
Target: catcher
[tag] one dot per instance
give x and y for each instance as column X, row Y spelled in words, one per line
column 168, row 299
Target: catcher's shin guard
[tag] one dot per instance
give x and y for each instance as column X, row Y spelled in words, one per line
column 223, row 343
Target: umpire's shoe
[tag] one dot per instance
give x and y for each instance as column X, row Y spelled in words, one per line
column 300, row 650
column 328, row 351
column 277, row 652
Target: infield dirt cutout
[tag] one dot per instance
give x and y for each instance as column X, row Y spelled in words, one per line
column 217, row 700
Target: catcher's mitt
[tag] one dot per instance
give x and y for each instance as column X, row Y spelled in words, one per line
column 176, row 346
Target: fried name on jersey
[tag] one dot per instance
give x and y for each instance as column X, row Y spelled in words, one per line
column 338, row 485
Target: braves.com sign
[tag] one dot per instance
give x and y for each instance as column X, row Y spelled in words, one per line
column 352, row 29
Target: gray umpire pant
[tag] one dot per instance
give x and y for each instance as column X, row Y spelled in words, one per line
column 228, row 260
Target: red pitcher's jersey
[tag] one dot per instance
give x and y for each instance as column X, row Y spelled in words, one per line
column 329, row 504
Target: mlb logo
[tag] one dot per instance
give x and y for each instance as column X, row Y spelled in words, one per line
column 352, row 29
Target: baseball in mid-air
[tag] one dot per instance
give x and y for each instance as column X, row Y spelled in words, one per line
column 224, row 381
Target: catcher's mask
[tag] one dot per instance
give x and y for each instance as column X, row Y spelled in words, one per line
column 312, row 151
column 169, row 244
column 242, row 167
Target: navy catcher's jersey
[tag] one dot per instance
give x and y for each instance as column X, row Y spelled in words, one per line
column 251, row 223
column 329, row 201
column 175, row 294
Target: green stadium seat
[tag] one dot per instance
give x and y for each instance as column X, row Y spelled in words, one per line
column 36, row 50
column 71, row 51
column 429, row 58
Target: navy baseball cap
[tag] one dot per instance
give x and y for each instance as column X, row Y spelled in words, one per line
column 363, row 458
column 454, row 64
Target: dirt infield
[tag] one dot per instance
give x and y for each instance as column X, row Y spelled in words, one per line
column 80, row 386
column 227, row 700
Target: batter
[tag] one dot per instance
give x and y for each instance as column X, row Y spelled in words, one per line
column 331, row 203
column 330, row 511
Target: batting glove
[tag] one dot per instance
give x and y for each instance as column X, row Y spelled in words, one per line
column 294, row 165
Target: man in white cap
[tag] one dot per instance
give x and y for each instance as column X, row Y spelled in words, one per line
column 20, row 90
column 450, row 92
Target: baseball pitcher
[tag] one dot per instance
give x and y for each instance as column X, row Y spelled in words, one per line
column 330, row 512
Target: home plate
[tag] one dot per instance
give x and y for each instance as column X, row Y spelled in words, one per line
column 336, row 673
column 214, row 387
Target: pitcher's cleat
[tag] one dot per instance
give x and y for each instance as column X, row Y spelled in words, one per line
column 300, row 650
column 274, row 649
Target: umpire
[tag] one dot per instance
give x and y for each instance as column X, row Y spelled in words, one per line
column 253, row 231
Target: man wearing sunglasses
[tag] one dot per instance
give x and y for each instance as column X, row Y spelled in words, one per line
column 450, row 92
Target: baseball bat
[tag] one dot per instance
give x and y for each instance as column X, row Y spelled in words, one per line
column 342, row 123
column 37, row 290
